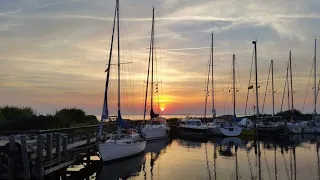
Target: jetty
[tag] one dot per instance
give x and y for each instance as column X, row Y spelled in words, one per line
column 35, row 154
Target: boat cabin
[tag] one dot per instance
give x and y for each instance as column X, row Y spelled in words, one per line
column 158, row 121
column 191, row 122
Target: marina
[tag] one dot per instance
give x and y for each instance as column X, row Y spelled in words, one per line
column 55, row 153
column 218, row 158
column 181, row 110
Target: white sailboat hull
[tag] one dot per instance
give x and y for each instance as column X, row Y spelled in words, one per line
column 225, row 131
column 155, row 133
column 112, row 150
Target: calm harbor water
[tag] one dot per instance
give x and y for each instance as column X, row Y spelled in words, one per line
column 221, row 158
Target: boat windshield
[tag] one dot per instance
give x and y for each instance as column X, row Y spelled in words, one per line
column 194, row 123
column 156, row 122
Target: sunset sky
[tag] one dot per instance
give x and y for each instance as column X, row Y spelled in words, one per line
column 53, row 53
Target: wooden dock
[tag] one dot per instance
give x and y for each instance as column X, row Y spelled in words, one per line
column 35, row 154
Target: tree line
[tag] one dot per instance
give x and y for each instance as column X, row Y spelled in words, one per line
column 25, row 118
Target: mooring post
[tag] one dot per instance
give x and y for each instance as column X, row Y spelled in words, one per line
column 49, row 146
column 65, row 146
column 1, row 158
column 24, row 155
column 40, row 164
column 58, row 145
column 72, row 137
column 285, row 128
column 11, row 163
column 88, row 152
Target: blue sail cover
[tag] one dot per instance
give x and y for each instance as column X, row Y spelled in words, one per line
column 124, row 124
column 104, row 114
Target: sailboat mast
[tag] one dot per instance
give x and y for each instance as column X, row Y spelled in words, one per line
column 284, row 88
column 105, row 112
column 152, row 56
column 288, row 87
column 207, row 88
column 212, row 80
column 118, row 31
column 291, row 83
column 272, row 84
column 315, row 77
column 234, row 85
column 147, row 86
column 257, row 95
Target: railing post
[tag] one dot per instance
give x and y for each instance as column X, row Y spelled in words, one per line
column 88, row 152
column 40, row 144
column 58, row 145
column 24, row 155
column 49, row 146
column 65, row 146
column 11, row 163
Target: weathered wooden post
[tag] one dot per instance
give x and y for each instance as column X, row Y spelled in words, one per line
column 40, row 161
column 65, row 147
column 88, row 152
column 24, row 156
column 11, row 163
column 58, row 145
column 49, row 147
column 72, row 137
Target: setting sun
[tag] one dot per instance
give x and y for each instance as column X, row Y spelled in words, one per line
column 162, row 109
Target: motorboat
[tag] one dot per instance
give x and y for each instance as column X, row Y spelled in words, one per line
column 294, row 128
column 310, row 127
column 156, row 128
column 222, row 127
column 192, row 127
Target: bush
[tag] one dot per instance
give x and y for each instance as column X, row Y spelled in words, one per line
column 12, row 113
column 15, row 118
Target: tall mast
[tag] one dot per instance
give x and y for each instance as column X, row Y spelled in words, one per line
column 105, row 112
column 257, row 94
column 118, row 29
column 291, row 83
column 234, row 85
column 147, row 86
column 284, row 88
column 272, row 84
column 212, row 88
column 207, row 88
column 288, row 86
column 315, row 77
column 152, row 52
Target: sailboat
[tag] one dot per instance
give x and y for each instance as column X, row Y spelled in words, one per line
column 127, row 140
column 157, row 127
column 293, row 127
column 312, row 126
column 223, row 127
